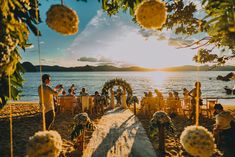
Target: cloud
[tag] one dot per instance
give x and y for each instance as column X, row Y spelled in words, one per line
column 87, row 59
column 30, row 47
column 94, row 59
column 160, row 35
column 98, row 31
column 179, row 42
column 118, row 41
column 48, row 61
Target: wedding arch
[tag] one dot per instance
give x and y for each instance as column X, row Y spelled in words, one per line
column 117, row 82
column 109, row 85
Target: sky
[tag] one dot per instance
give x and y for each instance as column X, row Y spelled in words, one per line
column 104, row 40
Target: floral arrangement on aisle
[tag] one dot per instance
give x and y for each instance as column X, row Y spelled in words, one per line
column 62, row 19
column 198, row 141
column 117, row 82
column 151, row 14
column 81, row 122
column 160, row 118
column 44, row 143
column 132, row 100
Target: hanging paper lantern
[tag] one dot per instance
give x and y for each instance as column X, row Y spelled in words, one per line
column 198, row 141
column 44, row 144
column 62, row 19
column 151, row 14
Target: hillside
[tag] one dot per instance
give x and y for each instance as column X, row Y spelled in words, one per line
column 29, row 67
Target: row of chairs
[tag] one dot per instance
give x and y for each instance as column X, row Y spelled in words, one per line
column 81, row 103
column 151, row 105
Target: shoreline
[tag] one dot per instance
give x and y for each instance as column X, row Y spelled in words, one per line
column 223, row 101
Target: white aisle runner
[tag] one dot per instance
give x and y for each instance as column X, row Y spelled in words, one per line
column 119, row 133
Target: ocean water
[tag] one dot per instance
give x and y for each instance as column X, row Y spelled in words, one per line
column 139, row 81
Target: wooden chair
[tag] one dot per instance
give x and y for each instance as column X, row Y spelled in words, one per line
column 91, row 104
column 172, row 106
column 186, row 106
column 67, row 103
column 150, row 105
column 85, row 103
column 208, row 108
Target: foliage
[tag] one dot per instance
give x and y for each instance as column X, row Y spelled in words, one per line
column 160, row 118
column 78, row 129
column 220, row 26
column 16, row 82
column 117, row 82
column 132, row 100
column 17, row 17
column 81, row 122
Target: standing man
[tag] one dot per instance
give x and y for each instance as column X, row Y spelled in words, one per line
column 48, row 101
column 195, row 94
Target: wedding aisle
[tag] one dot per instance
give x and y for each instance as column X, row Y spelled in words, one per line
column 119, row 133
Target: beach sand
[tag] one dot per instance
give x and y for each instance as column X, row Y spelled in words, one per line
column 27, row 121
column 172, row 142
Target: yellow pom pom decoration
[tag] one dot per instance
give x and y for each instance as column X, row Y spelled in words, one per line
column 231, row 29
column 151, row 14
column 198, row 141
column 62, row 19
column 44, row 144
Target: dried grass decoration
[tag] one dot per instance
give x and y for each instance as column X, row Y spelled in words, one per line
column 62, row 19
column 198, row 141
column 151, row 14
column 44, row 144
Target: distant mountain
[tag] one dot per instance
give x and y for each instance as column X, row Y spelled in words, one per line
column 200, row 68
column 29, row 67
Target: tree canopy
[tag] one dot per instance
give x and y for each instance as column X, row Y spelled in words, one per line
column 217, row 24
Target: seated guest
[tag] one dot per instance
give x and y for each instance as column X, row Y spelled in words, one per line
column 170, row 96
column 185, row 93
column 73, row 89
column 145, row 94
column 64, row 93
column 159, row 94
column 99, row 107
column 223, row 130
column 159, row 99
column 150, row 94
column 70, row 92
column 176, row 95
column 83, row 92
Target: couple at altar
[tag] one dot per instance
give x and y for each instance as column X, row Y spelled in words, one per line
column 120, row 96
